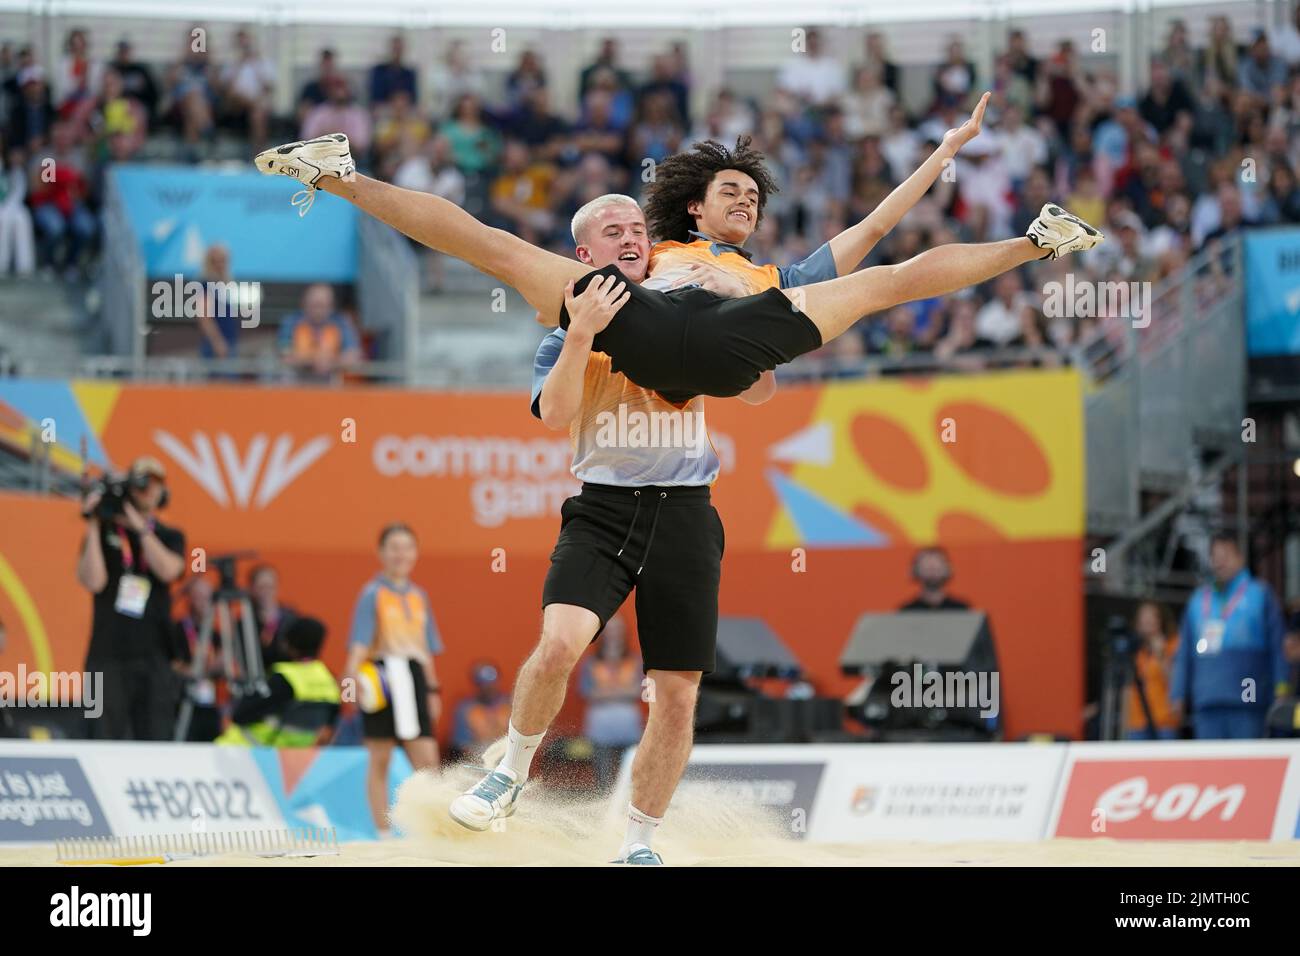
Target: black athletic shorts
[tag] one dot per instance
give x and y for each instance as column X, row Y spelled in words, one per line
column 382, row 725
column 666, row 543
column 690, row 342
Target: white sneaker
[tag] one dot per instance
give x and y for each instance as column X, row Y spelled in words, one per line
column 308, row 162
column 492, row 798
column 1061, row 233
column 638, row 854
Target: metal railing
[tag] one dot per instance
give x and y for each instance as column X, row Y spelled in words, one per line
column 1164, row 386
column 388, row 292
column 121, row 279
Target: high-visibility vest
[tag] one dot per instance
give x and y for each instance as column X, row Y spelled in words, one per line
column 312, row 683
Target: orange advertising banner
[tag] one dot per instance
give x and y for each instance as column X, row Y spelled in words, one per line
column 826, row 493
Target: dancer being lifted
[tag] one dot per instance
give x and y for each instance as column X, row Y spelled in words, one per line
column 688, row 341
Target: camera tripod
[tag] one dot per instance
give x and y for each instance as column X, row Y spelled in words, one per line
column 241, row 656
column 1121, row 672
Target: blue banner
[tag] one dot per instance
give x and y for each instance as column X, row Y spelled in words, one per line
column 176, row 212
column 1273, row 292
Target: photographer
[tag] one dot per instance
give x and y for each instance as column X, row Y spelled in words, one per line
column 128, row 560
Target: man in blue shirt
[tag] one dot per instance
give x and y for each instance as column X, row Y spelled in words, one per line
column 1229, row 660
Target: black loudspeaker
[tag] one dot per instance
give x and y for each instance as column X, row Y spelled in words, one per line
column 922, row 644
column 747, row 647
column 939, row 639
column 730, row 711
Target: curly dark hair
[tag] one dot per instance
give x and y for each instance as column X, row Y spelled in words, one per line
column 685, row 178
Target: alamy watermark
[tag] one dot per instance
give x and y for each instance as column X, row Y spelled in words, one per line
column 35, row 688
column 1086, row 299
column 637, row 429
column 179, row 299
column 948, row 690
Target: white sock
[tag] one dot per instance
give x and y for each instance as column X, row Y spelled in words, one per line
column 640, row 829
column 519, row 752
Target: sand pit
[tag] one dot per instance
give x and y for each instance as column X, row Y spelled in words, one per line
column 559, row 829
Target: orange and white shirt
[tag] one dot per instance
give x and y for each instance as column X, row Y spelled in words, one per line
column 395, row 620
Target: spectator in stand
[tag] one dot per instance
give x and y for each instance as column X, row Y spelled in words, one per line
column 1020, row 147
column 59, row 190
column 271, row 618
column 190, row 97
column 522, row 195
column 932, row 570
column 1001, row 319
column 954, row 79
column 611, row 682
column 1281, row 205
column 1260, row 72
column 1019, row 58
column 665, row 80
column 474, row 144
column 1229, row 663
column 17, row 238
column 524, row 78
column 400, row 121
column 483, row 719
column 77, row 81
column 812, row 75
column 1158, row 640
column 319, row 342
column 899, row 338
column 878, row 56
column 454, row 78
column 621, row 104
column 1178, row 56
column 1231, row 220
column 657, row 132
column 218, row 330
column 867, row 105
column 606, row 62
column 32, row 117
column 11, row 68
column 340, row 114
column 1010, row 88
column 1061, row 87
column 316, row 90
column 537, row 127
column 597, row 132
column 984, row 185
column 429, row 168
column 1165, row 98
column 393, row 76
column 120, row 122
column 247, row 87
column 1222, row 56
column 137, row 78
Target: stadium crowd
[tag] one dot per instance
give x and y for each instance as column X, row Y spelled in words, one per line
column 1208, row 148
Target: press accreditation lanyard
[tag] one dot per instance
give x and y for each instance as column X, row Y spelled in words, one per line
column 1214, row 628
column 1207, row 603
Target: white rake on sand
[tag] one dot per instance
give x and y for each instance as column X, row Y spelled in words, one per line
column 168, row 847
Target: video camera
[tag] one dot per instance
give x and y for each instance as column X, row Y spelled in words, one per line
column 114, row 488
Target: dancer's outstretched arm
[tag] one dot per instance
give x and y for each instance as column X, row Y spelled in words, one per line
column 852, row 245
column 538, row 275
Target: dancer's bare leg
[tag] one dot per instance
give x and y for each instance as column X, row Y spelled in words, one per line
column 835, row 305
column 538, row 275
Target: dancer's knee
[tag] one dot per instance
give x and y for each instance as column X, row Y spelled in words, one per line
column 566, row 632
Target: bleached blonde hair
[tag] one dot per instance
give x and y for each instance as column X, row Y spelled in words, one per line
column 583, row 217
